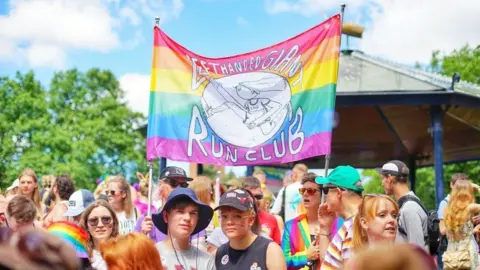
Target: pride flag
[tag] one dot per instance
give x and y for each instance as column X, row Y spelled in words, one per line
column 273, row 105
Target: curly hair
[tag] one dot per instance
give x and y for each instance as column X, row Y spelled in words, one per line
column 65, row 186
column 456, row 213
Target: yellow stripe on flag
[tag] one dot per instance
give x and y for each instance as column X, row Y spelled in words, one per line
column 177, row 81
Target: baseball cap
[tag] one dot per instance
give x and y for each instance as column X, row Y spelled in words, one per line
column 205, row 212
column 172, row 171
column 78, row 202
column 15, row 184
column 394, row 168
column 236, row 198
column 343, row 176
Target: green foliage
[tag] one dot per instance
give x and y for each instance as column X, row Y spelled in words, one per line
column 466, row 61
column 78, row 126
column 374, row 184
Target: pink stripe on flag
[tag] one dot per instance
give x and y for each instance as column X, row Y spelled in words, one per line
column 316, row 145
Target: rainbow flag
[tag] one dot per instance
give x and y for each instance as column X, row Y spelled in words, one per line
column 72, row 234
column 273, row 105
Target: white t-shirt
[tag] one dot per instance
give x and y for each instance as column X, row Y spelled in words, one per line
column 292, row 201
column 126, row 224
column 97, row 261
column 190, row 260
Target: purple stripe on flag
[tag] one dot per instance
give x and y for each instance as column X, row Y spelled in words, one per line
column 316, row 145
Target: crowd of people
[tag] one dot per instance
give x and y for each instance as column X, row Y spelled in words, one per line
column 313, row 222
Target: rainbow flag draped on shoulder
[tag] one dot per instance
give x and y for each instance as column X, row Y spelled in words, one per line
column 270, row 106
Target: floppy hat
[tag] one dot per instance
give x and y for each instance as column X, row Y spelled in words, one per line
column 205, row 212
column 395, row 168
column 343, row 176
column 78, row 202
column 236, row 198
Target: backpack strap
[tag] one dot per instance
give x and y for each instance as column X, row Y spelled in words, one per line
column 402, row 201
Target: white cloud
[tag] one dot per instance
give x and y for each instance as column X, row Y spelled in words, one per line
column 241, row 21
column 39, row 55
column 59, row 25
column 409, row 30
column 137, row 89
column 400, row 30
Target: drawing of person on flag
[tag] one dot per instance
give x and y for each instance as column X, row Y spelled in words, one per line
column 254, row 101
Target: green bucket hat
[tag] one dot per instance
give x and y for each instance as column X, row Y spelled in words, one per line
column 344, row 177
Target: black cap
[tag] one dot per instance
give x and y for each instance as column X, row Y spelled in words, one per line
column 172, row 171
column 394, row 168
column 236, row 198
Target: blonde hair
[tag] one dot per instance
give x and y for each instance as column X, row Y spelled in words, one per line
column 202, row 185
column 36, row 193
column 100, row 189
column 127, row 203
column 267, row 195
column 457, row 213
column 134, row 251
column 368, row 210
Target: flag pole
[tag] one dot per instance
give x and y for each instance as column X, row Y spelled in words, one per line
column 150, row 187
column 342, row 13
column 217, row 188
column 150, row 164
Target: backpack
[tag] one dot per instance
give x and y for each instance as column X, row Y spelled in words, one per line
column 433, row 225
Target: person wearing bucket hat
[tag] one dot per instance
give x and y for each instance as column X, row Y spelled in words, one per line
column 170, row 178
column 245, row 249
column 182, row 216
column 342, row 190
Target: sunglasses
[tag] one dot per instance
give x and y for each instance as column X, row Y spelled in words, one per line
column 112, row 192
column 309, row 191
column 175, row 184
column 258, row 197
column 93, row 222
column 326, row 189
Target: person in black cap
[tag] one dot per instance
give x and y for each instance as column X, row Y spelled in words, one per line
column 244, row 250
column 183, row 215
column 170, row 178
column 412, row 220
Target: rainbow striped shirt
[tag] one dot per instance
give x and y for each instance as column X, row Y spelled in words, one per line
column 340, row 248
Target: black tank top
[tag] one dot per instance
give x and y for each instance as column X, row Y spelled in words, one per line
column 252, row 258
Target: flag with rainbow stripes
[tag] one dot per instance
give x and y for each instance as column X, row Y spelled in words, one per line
column 272, row 105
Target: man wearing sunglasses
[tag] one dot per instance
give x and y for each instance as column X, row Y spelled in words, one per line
column 342, row 189
column 170, row 178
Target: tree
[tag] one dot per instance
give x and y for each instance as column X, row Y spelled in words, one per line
column 79, row 126
column 24, row 121
column 466, row 61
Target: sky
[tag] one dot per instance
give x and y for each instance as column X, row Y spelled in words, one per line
column 53, row 35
